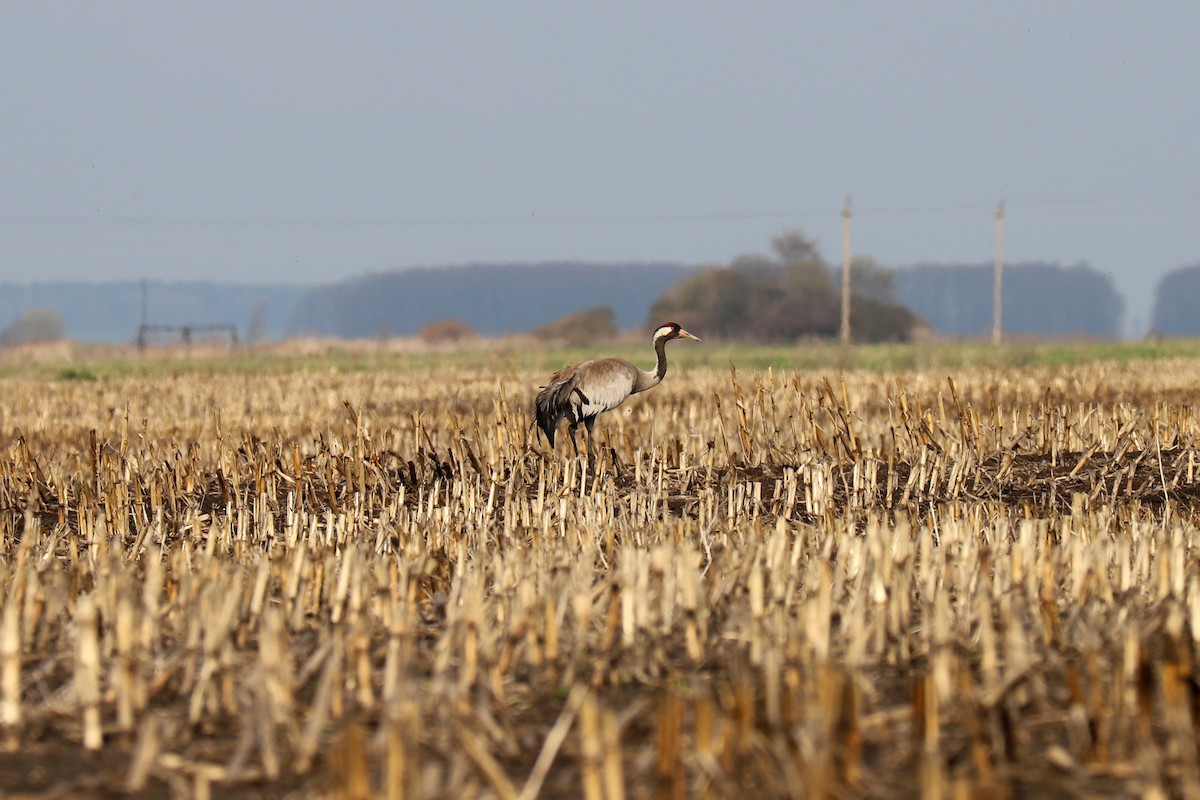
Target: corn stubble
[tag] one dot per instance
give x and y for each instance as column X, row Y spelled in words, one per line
column 870, row 585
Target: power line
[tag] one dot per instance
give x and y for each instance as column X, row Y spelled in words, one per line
column 730, row 215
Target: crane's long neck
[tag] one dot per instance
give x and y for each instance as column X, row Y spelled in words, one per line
column 648, row 380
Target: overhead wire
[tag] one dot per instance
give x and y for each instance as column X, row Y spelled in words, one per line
column 534, row 218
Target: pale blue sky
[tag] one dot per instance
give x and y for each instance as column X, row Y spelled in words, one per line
column 300, row 141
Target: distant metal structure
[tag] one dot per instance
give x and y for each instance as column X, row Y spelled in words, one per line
column 147, row 331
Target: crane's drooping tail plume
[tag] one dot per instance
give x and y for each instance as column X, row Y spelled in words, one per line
column 554, row 403
column 581, row 392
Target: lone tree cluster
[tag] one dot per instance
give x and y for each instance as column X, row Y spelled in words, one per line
column 787, row 296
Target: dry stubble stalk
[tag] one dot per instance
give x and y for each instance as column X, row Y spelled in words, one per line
column 215, row 550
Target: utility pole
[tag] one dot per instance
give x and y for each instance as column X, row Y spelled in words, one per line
column 141, row 334
column 997, row 303
column 847, row 214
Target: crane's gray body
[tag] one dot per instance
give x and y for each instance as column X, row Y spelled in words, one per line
column 581, row 392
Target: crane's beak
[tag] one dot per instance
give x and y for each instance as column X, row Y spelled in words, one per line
column 685, row 335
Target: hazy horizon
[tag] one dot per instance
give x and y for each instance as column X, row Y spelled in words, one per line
column 304, row 143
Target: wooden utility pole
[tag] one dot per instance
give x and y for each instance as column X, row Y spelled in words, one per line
column 846, row 217
column 141, row 337
column 997, row 303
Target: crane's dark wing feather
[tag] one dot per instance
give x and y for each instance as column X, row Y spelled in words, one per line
column 554, row 402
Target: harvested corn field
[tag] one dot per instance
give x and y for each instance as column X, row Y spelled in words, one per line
column 976, row 581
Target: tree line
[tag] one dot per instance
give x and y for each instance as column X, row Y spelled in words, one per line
column 1038, row 299
column 1175, row 302
column 492, row 299
column 788, row 294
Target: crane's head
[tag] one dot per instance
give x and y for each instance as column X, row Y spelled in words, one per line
column 671, row 330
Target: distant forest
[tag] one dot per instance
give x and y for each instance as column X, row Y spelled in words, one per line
column 1039, row 299
column 492, row 299
column 1176, row 301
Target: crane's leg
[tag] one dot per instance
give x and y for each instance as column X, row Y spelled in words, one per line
column 591, row 454
column 574, row 444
